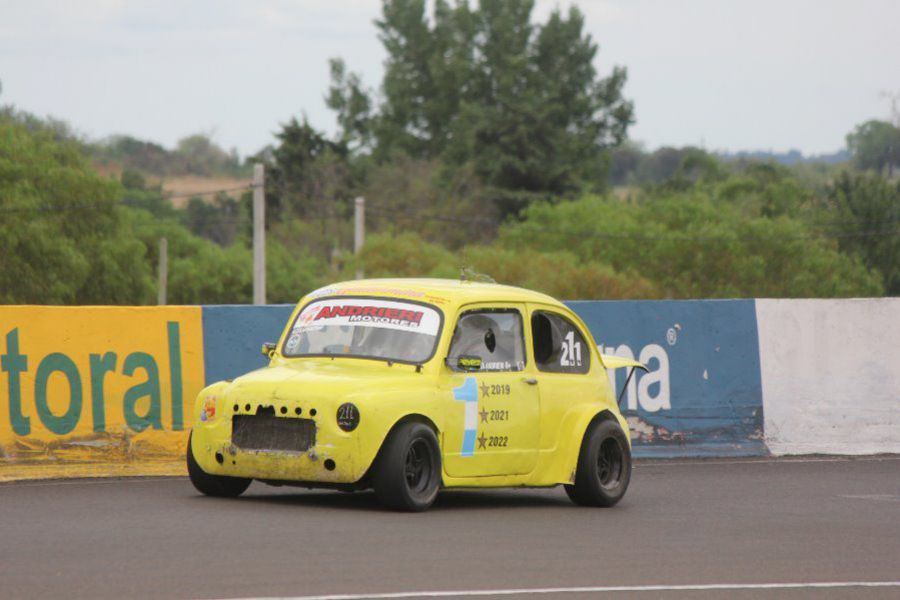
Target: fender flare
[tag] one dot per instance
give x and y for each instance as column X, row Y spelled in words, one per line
column 407, row 418
column 585, row 424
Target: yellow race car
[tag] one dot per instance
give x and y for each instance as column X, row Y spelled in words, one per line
column 410, row 385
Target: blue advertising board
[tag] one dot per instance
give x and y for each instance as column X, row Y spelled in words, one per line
column 703, row 393
column 233, row 337
column 701, row 396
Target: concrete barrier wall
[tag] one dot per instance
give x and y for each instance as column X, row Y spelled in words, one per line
column 830, row 375
column 113, row 387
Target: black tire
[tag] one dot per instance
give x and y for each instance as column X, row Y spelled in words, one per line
column 408, row 473
column 604, row 466
column 214, row 485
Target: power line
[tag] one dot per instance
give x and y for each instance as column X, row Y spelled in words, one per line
column 104, row 204
column 396, row 214
column 420, row 217
column 635, row 236
column 59, row 208
column 246, row 187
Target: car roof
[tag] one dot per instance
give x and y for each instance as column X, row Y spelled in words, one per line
column 435, row 291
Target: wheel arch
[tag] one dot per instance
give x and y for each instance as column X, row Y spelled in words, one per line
column 576, row 443
column 366, row 479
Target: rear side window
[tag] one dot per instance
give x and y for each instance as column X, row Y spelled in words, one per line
column 558, row 345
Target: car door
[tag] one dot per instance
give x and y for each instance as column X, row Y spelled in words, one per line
column 563, row 360
column 493, row 420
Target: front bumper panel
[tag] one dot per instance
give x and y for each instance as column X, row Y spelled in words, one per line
column 259, row 440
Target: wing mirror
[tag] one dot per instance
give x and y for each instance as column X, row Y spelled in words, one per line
column 465, row 362
column 268, row 350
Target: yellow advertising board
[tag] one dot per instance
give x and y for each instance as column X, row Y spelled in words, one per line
column 97, row 390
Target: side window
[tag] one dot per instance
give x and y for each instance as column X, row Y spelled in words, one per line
column 494, row 336
column 558, row 345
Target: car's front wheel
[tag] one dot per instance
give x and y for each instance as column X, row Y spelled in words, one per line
column 408, row 473
column 214, row 485
column 604, row 466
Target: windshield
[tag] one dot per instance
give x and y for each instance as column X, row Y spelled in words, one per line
column 393, row 330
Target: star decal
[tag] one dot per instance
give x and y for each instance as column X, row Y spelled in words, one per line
column 485, row 389
column 481, row 442
column 484, row 415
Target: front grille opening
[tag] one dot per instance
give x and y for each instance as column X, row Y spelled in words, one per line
column 265, row 431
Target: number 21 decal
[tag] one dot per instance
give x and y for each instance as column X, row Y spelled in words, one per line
column 571, row 351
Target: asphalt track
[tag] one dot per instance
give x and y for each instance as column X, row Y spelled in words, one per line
column 683, row 523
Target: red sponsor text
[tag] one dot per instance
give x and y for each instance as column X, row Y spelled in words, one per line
column 394, row 314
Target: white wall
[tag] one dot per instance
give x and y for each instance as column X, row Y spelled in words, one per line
column 830, row 375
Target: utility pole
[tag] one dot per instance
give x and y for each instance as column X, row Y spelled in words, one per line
column 259, row 234
column 163, row 271
column 359, row 231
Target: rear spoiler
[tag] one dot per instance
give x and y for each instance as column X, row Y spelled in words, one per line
column 618, row 362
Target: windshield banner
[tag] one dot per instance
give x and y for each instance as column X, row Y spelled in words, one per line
column 369, row 312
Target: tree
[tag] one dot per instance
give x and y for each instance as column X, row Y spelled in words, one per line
column 661, row 165
column 137, row 194
column 560, row 274
column 693, row 244
column 62, row 227
column 623, row 163
column 866, row 210
column 441, row 205
column 875, row 145
column 198, row 155
column 294, row 184
column 410, row 119
column 522, row 103
column 404, row 255
column 132, row 154
column 219, row 220
column 353, row 106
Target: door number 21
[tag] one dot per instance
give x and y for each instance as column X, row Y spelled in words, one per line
column 571, row 351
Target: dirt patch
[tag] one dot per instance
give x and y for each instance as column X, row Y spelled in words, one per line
column 180, row 189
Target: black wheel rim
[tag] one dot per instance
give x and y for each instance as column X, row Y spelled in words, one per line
column 418, row 466
column 610, row 463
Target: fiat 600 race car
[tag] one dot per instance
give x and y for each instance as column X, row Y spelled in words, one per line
column 410, row 385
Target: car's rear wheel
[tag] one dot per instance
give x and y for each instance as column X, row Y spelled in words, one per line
column 408, row 473
column 604, row 466
column 214, row 485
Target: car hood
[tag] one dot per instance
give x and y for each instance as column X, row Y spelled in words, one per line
column 323, row 378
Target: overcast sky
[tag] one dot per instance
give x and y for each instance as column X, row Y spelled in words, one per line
column 725, row 74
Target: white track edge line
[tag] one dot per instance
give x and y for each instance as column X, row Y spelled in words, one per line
column 20, row 483
column 712, row 461
column 640, row 463
column 589, row 589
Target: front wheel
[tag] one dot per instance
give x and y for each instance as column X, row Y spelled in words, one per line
column 604, row 466
column 408, row 474
column 214, row 485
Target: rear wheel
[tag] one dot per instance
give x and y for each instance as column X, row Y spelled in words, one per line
column 408, row 473
column 604, row 466
column 214, row 485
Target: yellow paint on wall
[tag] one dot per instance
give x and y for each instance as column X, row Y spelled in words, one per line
column 96, row 385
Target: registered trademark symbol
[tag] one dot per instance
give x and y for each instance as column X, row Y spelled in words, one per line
column 671, row 336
